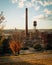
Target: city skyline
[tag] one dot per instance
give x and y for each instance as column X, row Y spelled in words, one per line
column 38, row 10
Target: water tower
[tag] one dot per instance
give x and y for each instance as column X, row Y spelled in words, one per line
column 35, row 24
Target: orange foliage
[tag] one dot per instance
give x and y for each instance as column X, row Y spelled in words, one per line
column 15, row 46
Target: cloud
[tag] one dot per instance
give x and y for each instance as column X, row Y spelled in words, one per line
column 28, row 4
column 37, row 8
column 14, row 1
column 40, row 17
column 45, row 3
column 22, row 0
column 36, row 4
column 21, row 4
column 32, row 1
column 47, row 11
column 40, row 2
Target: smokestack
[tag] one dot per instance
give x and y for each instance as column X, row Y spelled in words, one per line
column 26, row 21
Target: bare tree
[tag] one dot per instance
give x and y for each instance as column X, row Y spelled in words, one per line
column 2, row 19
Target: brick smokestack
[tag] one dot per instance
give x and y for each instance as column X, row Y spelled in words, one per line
column 26, row 21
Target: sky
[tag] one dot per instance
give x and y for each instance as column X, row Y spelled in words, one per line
column 38, row 10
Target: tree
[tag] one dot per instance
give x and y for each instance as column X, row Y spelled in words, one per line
column 38, row 47
column 2, row 19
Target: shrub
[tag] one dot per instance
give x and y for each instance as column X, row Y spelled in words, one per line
column 38, row 47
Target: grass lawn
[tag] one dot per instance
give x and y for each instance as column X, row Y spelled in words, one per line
column 29, row 59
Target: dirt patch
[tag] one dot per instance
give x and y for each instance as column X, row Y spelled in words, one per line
column 21, row 63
